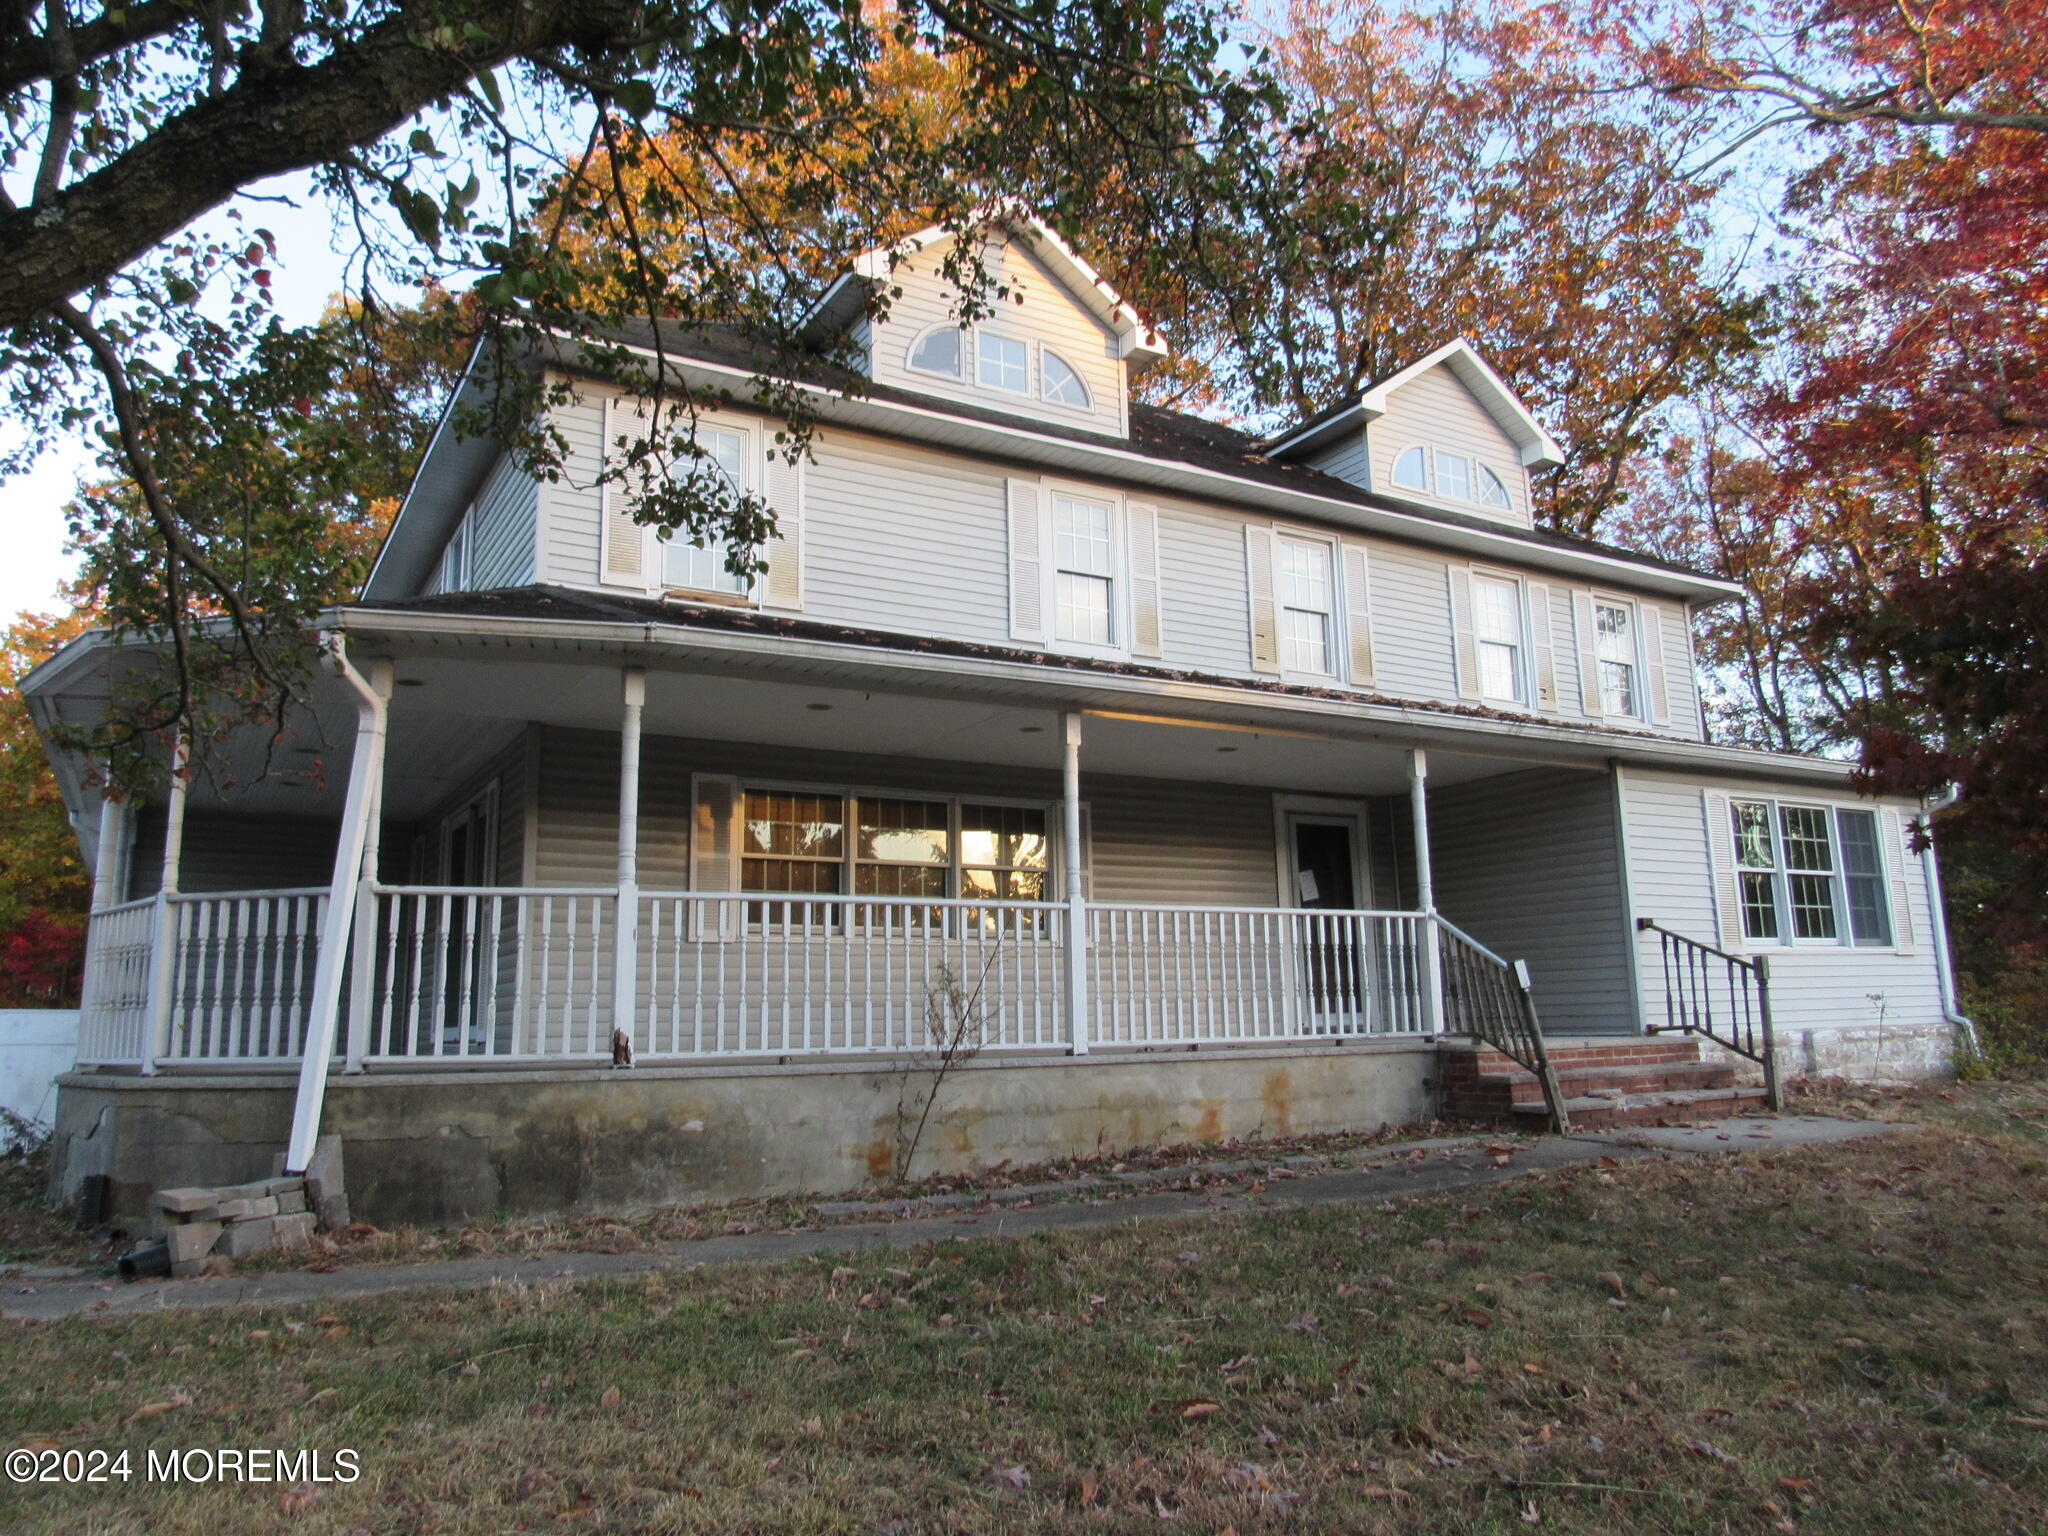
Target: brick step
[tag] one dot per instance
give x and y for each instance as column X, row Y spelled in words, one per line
column 1469, row 1062
column 1520, row 1087
column 1590, row 1113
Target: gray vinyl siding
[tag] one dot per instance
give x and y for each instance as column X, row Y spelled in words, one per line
column 501, row 550
column 1150, row 840
column 1435, row 410
column 233, row 851
column 1411, row 623
column 1350, row 458
column 905, row 538
column 572, row 505
column 1529, row 864
column 1812, row 986
column 913, row 540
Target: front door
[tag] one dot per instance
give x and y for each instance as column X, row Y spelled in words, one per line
column 1334, row 949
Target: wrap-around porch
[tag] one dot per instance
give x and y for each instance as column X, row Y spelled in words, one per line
column 569, row 859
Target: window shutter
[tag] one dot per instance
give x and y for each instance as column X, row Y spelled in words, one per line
column 1146, row 636
column 1028, row 556
column 1653, row 663
column 715, row 853
column 625, row 562
column 1589, row 655
column 1721, row 858
column 1265, row 619
column 1464, row 643
column 1358, row 613
column 1540, row 641
column 1896, row 857
column 783, row 585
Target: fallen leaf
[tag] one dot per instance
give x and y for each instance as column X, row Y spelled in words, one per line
column 611, row 1398
column 1711, row 1451
column 1012, row 1477
column 326, row 1320
column 300, row 1496
column 1613, row 1282
column 1306, row 1323
column 1089, row 1489
column 1196, row 1408
column 1529, row 1514
column 166, row 1405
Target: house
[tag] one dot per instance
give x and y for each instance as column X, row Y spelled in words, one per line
column 1207, row 785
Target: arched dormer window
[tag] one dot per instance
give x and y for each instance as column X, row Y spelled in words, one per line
column 1059, row 383
column 941, row 350
column 1452, row 476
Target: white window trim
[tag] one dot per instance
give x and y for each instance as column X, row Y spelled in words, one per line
column 457, row 556
column 849, row 796
column 997, row 391
column 1340, row 619
column 1087, row 409
column 1525, row 680
column 1429, row 450
column 749, row 430
column 966, row 353
column 1641, row 715
column 1845, row 937
column 1120, row 616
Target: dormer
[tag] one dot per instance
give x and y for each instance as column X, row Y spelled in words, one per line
column 1058, row 345
column 1444, row 433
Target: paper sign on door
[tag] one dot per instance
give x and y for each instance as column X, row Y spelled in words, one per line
column 1305, row 885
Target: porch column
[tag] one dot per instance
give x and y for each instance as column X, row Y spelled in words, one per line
column 363, row 974
column 106, row 866
column 626, row 927
column 1425, row 888
column 1077, row 904
column 163, row 959
column 366, row 768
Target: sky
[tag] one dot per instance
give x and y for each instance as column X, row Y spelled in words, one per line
column 33, row 563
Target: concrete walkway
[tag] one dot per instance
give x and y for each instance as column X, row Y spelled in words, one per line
column 1399, row 1171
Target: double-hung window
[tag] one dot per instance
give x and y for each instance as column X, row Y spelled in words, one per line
column 1305, row 588
column 1084, row 566
column 903, row 847
column 455, row 559
column 1614, row 627
column 1808, row 871
column 703, row 567
column 1497, row 636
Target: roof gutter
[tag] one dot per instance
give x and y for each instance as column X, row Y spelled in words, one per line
column 1337, row 719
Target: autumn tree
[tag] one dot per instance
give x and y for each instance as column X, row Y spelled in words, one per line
column 1461, row 178
column 449, row 137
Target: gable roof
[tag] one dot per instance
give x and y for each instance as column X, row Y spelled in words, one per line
column 1136, row 341
column 1536, row 446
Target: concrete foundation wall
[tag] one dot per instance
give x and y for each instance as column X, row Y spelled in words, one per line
column 1863, row 1053
column 445, row 1147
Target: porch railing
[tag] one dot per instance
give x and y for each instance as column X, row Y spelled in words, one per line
column 1488, row 997
column 1720, row 996
column 1200, row 975
column 475, row 975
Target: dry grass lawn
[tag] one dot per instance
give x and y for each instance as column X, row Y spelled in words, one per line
column 1846, row 1340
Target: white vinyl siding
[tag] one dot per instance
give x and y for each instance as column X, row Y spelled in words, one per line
column 1821, row 986
column 1436, row 413
column 1037, row 310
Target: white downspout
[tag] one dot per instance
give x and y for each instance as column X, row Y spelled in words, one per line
column 365, row 768
column 1937, row 920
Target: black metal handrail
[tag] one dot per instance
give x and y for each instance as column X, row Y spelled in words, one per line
column 1723, row 997
column 1487, row 997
